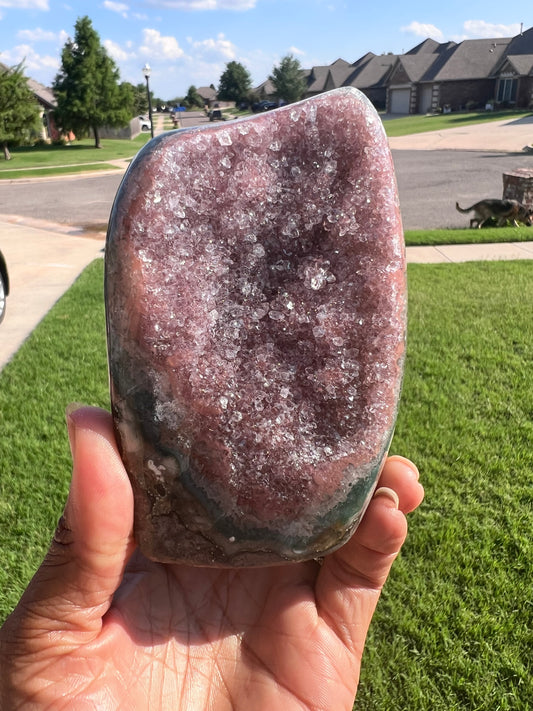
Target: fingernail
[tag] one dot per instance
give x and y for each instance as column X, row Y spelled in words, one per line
column 71, row 429
column 410, row 464
column 389, row 494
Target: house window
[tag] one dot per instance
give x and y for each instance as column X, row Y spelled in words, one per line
column 507, row 90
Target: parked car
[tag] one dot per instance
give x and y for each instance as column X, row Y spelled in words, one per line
column 216, row 115
column 264, row 106
column 4, row 286
column 145, row 123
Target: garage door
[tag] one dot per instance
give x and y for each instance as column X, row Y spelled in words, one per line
column 399, row 101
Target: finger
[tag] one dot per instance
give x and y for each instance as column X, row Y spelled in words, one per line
column 402, row 476
column 380, row 535
column 73, row 588
column 351, row 579
column 365, row 560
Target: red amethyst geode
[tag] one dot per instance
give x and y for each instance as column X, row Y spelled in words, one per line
column 256, row 301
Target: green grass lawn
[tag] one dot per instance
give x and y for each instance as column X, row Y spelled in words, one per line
column 64, row 359
column 454, row 629
column 50, row 172
column 77, row 153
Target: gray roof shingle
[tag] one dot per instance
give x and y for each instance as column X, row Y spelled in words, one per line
column 43, row 94
column 472, row 59
column 372, row 73
column 522, row 64
column 417, row 65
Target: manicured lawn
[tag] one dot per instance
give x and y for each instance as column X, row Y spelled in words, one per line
column 455, row 627
column 64, row 359
column 60, row 170
column 78, row 152
column 453, row 631
column 417, row 123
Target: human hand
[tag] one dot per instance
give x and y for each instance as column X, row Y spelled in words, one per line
column 101, row 627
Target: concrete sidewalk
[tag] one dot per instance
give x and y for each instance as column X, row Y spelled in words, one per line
column 44, row 259
column 455, row 253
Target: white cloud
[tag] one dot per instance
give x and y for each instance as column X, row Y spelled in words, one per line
column 34, row 63
column 215, row 49
column 116, row 52
column 296, row 52
column 26, row 4
column 39, row 35
column 424, row 29
column 473, row 29
column 118, row 7
column 487, row 30
column 155, row 46
column 204, row 4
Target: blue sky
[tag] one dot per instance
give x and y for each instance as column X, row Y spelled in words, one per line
column 190, row 41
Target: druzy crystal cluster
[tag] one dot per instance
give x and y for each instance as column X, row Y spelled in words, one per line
column 255, row 298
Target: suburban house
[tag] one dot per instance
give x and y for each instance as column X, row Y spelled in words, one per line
column 46, row 100
column 370, row 74
column 208, row 94
column 47, row 103
column 434, row 76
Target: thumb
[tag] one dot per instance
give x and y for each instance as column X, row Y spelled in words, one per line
column 73, row 588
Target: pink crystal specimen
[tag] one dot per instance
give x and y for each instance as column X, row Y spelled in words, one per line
column 255, row 296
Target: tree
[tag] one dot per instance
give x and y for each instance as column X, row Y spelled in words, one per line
column 139, row 100
column 288, row 80
column 128, row 92
column 193, row 98
column 87, row 87
column 235, row 83
column 19, row 110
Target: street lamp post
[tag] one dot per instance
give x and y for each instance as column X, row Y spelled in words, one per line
column 147, row 71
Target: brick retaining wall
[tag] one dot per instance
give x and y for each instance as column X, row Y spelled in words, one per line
column 518, row 185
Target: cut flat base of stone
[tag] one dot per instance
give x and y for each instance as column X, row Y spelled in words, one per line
column 255, row 302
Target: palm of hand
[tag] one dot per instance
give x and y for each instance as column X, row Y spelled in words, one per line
column 222, row 639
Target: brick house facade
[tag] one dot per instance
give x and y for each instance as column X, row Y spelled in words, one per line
column 470, row 75
column 437, row 76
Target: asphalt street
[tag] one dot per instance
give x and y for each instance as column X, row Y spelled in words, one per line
column 429, row 184
column 80, row 200
column 46, row 224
